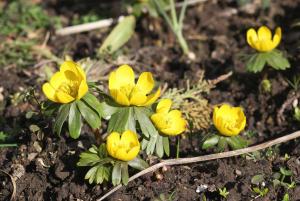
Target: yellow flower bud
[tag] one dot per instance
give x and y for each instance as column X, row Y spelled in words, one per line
column 262, row 40
column 67, row 85
column 124, row 147
column 168, row 122
column 125, row 91
column 229, row 120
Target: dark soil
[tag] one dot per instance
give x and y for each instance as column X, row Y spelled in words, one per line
column 44, row 165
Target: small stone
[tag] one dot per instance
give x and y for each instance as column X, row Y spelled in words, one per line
column 238, row 172
column 18, row 171
column 201, row 188
column 32, row 156
column 37, row 146
column 140, row 188
column 159, row 176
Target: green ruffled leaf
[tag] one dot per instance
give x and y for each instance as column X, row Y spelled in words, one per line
column 256, row 63
column 222, row 144
column 211, row 141
column 75, row 123
column 166, row 145
column 93, row 102
column 276, row 60
column 116, row 174
column 124, row 172
column 122, row 120
column 90, row 115
column 146, row 125
column 61, row 117
column 159, row 147
column 107, row 110
column 138, row 164
column 236, row 142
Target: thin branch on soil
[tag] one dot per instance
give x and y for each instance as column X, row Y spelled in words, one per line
column 220, row 78
column 289, row 101
column 181, row 161
column 13, row 194
column 106, row 22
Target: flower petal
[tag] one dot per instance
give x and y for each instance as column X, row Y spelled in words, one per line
column 49, row 92
column 119, row 97
column 123, row 76
column 133, row 153
column 264, row 34
column 252, row 37
column 164, row 106
column 112, row 143
column 138, row 98
column 63, row 97
column 57, row 79
column 152, row 98
column 159, row 120
column 130, row 138
column 72, row 66
column 277, row 37
column 145, row 82
column 82, row 90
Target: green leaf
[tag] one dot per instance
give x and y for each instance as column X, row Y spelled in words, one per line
column 107, row 110
column 93, row 102
column 61, row 117
column 99, row 175
column 147, row 127
column 166, row 145
column 90, row 175
column 118, row 36
column 90, row 115
column 285, row 171
column 236, row 142
column 88, row 159
column 102, row 151
column 138, row 164
column 75, row 123
column 3, row 136
column 151, row 145
column 211, row 141
column 222, row 144
column 159, row 147
column 276, row 60
column 124, row 171
column 256, row 63
column 122, row 120
column 257, row 179
column 116, row 174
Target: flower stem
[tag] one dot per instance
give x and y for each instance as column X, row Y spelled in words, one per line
column 178, row 147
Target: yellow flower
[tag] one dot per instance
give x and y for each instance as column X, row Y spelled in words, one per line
column 262, row 40
column 168, row 122
column 124, row 91
column 66, row 85
column 124, row 147
column 229, row 120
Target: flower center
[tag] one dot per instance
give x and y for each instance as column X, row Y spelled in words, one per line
column 70, row 88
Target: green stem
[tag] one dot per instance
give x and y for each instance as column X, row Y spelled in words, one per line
column 178, row 147
column 182, row 42
column 8, row 145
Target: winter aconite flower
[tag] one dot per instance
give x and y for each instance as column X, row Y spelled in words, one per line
column 126, row 92
column 262, row 40
column 124, row 146
column 67, row 85
column 229, row 120
column 168, row 122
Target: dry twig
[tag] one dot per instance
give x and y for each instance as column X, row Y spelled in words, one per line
column 287, row 102
column 105, row 23
column 181, row 161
